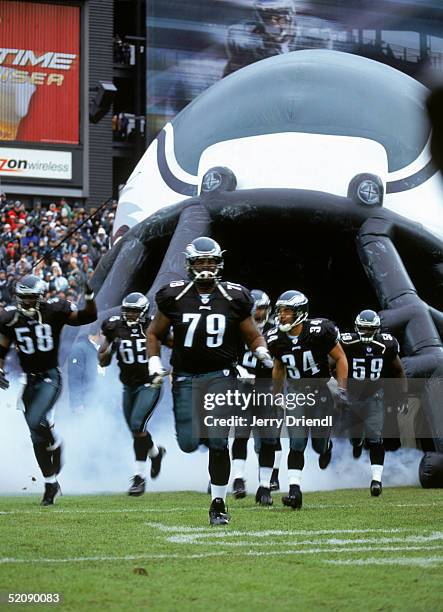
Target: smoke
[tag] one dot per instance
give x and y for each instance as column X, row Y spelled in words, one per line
column 99, row 453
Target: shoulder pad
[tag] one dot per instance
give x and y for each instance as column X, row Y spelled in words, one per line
column 271, row 331
column 387, row 337
column 346, row 337
column 233, row 286
column 272, row 335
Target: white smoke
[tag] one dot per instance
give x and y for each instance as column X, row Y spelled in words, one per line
column 99, row 454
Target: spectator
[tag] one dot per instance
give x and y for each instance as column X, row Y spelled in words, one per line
column 102, row 238
column 27, row 238
column 23, row 266
column 5, row 289
column 60, row 282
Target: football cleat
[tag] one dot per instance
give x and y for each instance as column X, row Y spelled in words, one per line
column 357, row 450
column 263, row 497
column 325, row 458
column 239, row 488
column 294, row 499
column 217, row 512
column 376, row 488
column 137, row 487
column 156, row 462
column 275, row 483
column 51, row 490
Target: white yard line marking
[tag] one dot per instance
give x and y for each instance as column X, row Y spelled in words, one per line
column 415, row 561
column 40, row 512
column 37, row 511
column 194, row 539
column 209, row 531
column 248, row 553
column 365, row 505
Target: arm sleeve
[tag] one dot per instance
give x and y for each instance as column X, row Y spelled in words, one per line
column 331, row 335
column 245, row 304
column 165, row 301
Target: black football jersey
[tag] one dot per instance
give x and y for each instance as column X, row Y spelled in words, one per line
column 206, row 327
column 130, row 341
column 37, row 338
column 248, row 360
column 306, row 355
column 368, row 361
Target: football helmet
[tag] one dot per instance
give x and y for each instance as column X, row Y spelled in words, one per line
column 135, row 308
column 298, row 303
column 204, row 261
column 261, row 308
column 276, row 18
column 29, row 292
column 367, row 324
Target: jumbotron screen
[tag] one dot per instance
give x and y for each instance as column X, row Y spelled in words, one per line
column 189, row 50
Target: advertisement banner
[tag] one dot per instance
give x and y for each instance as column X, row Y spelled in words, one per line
column 39, row 72
column 35, row 163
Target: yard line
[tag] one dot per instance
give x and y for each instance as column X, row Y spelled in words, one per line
column 365, row 505
column 195, row 540
column 249, row 553
column 416, row 561
column 209, row 531
column 40, row 512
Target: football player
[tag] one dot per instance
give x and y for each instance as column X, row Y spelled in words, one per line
column 372, row 356
column 261, row 311
column 208, row 317
column 125, row 335
column 301, row 347
column 34, row 326
column 271, row 33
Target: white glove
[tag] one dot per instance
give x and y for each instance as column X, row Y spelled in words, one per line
column 264, row 357
column 156, row 370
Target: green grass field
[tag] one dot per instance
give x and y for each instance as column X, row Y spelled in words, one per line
column 343, row 551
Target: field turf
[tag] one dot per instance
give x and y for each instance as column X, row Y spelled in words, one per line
column 343, row 551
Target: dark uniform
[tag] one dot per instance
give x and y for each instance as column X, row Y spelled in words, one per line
column 37, row 342
column 139, row 396
column 369, row 363
column 205, row 352
column 306, row 357
column 262, row 384
column 248, row 360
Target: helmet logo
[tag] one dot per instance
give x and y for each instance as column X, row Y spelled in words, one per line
column 211, row 181
column 369, row 192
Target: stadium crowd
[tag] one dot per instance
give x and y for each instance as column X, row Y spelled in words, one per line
column 28, row 238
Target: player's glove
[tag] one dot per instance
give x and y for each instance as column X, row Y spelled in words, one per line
column 264, row 357
column 89, row 293
column 156, row 370
column 341, row 398
column 4, row 382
